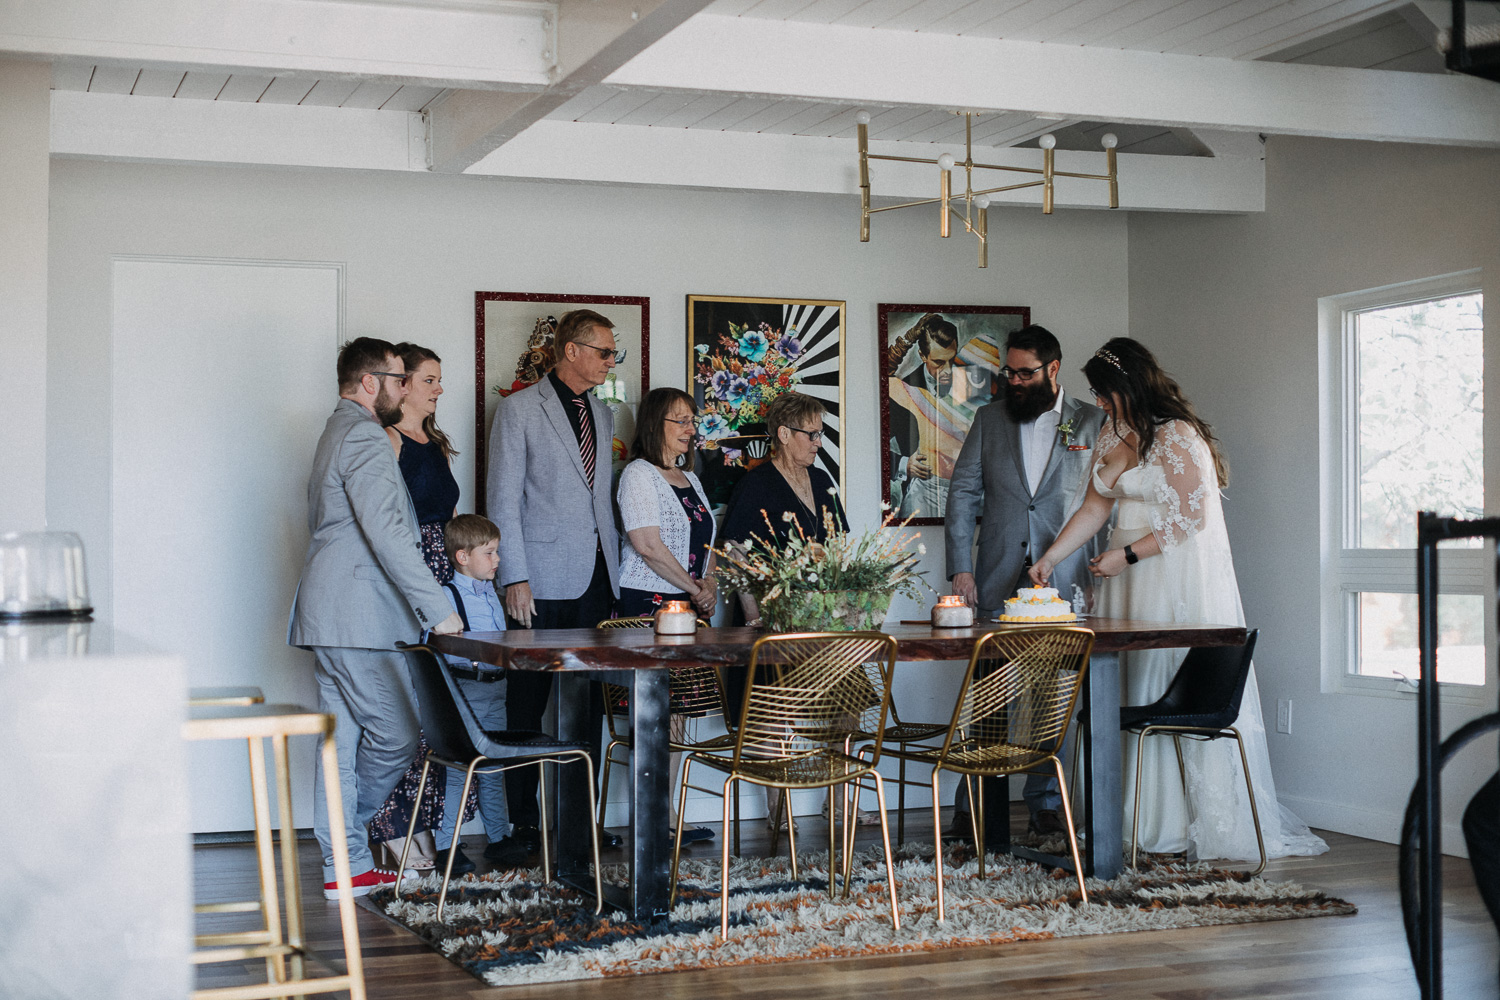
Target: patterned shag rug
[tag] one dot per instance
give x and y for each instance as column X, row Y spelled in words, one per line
column 506, row 928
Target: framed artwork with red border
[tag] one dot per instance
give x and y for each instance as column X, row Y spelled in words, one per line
column 513, row 348
column 938, row 365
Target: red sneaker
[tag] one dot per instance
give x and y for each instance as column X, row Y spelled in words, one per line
column 362, row 884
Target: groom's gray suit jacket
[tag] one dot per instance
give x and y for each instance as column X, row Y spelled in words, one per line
column 550, row 522
column 989, row 479
column 364, row 583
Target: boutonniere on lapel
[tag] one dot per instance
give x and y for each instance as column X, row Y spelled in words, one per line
column 1067, row 430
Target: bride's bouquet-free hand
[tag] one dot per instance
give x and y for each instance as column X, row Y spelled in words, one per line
column 844, row 583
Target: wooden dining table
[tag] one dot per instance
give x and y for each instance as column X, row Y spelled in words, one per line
column 637, row 658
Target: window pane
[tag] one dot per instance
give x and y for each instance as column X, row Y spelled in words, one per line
column 1421, row 410
column 1388, row 637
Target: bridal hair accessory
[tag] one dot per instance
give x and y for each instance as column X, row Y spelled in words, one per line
column 1108, row 356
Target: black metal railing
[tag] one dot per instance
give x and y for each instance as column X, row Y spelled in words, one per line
column 1421, row 861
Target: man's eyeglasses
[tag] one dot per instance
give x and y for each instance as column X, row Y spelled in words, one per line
column 401, row 379
column 816, row 437
column 605, row 353
column 1024, row 374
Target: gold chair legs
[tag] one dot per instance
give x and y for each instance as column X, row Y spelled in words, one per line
column 729, row 795
column 1177, row 733
column 284, row 949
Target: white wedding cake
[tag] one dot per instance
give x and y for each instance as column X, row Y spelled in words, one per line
column 1037, row 604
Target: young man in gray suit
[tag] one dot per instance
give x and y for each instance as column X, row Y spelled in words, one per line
column 364, row 586
column 1021, row 467
column 549, row 489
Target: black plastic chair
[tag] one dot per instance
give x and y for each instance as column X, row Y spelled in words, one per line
column 1202, row 702
column 457, row 739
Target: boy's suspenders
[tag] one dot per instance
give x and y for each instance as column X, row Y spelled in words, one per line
column 458, row 604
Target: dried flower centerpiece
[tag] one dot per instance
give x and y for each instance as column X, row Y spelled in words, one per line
column 843, row 584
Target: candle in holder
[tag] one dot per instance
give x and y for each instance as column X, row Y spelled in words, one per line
column 676, row 618
column 951, row 612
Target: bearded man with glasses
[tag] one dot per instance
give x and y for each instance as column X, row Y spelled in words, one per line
column 364, row 587
column 1022, row 469
column 549, row 491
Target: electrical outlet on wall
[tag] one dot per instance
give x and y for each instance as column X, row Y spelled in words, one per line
column 1284, row 716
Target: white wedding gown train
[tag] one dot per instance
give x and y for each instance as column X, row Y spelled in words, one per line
column 1173, row 494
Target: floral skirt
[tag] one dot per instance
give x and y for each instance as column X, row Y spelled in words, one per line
column 434, row 552
column 391, row 820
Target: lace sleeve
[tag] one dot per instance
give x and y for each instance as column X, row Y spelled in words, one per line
column 639, row 506
column 1184, row 475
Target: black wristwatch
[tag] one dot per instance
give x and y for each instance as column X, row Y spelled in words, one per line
column 1130, row 557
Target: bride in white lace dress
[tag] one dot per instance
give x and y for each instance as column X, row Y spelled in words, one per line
column 1168, row 560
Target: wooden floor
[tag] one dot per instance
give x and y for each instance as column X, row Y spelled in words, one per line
column 1362, row 957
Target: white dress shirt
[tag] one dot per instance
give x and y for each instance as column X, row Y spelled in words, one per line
column 1037, row 438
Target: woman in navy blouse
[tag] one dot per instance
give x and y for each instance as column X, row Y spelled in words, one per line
column 424, row 454
column 788, row 484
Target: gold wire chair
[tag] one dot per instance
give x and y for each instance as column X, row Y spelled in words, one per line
column 1011, row 717
column 693, row 692
column 816, row 688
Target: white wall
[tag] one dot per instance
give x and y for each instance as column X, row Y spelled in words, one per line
column 24, row 95
column 1230, row 304
column 416, row 248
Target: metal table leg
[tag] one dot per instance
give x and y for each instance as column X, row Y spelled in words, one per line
column 650, row 854
column 650, row 788
column 572, row 790
column 1101, row 766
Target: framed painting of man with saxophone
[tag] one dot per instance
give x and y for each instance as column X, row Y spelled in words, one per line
column 938, row 365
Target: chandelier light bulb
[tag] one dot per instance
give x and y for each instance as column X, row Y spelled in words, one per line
column 945, row 162
column 1048, row 141
column 863, row 117
column 1109, row 140
column 982, row 201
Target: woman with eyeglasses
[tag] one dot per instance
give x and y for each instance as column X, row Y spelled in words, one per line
column 788, row 484
column 666, row 554
column 1157, row 466
column 776, row 499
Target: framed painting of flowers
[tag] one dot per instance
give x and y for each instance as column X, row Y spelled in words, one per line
column 742, row 354
column 938, row 366
column 513, row 349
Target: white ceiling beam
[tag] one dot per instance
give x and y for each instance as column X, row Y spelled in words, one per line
column 163, row 129
column 593, row 39
column 503, row 44
column 712, row 53
column 701, row 158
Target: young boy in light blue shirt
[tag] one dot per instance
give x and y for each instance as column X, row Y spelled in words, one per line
column 473, row 545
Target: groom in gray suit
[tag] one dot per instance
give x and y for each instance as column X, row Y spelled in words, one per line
column 1022, row 468
column 364, row 586
column 548, row 488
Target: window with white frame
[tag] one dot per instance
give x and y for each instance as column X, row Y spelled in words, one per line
column 1404, row 413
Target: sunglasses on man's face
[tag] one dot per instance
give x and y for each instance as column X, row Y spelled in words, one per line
column 605, row 353
column 401, row 379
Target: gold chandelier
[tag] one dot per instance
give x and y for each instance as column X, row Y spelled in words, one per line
column 975, row 215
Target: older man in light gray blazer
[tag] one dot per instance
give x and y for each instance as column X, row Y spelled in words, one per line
column 364, row 586
column 1022, row 467
column 548, row 490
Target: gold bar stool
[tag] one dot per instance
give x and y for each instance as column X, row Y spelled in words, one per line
column 203, row 696
column 254, row 723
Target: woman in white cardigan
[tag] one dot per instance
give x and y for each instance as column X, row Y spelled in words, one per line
column 666, row 553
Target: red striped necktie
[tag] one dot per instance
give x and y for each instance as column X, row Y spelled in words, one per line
column 585, row 438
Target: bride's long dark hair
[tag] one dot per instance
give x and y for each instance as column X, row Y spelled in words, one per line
column 1126, row 370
